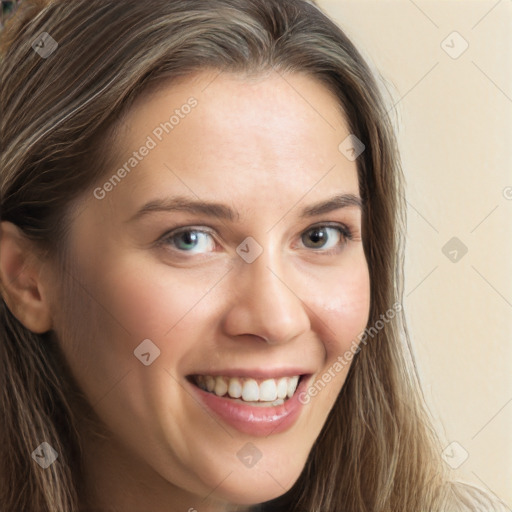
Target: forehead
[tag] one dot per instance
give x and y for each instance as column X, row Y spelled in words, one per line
column 219, row 135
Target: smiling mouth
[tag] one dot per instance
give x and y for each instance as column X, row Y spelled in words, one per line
column 269, row 392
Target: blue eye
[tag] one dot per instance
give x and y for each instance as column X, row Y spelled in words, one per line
column 189, row 240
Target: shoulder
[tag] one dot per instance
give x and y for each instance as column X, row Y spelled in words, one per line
column 464, row 497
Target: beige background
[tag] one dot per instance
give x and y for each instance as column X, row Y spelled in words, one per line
column 455, row 124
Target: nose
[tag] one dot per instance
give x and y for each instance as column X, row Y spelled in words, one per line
column 266, row 302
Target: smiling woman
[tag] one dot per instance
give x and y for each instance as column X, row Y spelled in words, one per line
column 200, row 264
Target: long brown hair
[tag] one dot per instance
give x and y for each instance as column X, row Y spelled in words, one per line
column 377, row 451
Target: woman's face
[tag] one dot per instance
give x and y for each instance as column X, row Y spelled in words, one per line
column 251, row 293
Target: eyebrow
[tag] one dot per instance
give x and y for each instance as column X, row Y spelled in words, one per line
column 224, row 212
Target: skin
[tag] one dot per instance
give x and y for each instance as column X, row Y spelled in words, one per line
column 266, row 147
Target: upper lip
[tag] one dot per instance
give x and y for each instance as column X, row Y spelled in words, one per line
column 258, row 373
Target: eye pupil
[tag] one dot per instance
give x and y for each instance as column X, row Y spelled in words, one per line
column 317, row 235
column 189, row 237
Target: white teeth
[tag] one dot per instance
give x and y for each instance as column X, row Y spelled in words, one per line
column 221, row 388
column 235, row 388
column 292, row 386
column 210, row 383
column 250, row 391
column 268, row 391
column 282, row 388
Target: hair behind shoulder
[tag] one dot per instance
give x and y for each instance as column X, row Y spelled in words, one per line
column 465, row 497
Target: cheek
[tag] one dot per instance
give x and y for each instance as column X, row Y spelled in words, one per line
column 118, row 304
column 150, row 299
column 344, row 305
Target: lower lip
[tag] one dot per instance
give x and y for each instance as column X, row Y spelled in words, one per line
column 253, row 420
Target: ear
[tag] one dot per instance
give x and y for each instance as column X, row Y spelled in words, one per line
column 20, row 279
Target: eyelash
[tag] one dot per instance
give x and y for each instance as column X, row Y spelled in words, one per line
column 343, row 230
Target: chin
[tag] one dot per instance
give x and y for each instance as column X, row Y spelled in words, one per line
column 250, row 486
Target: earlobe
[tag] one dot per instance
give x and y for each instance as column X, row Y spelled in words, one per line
column 20, row 279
